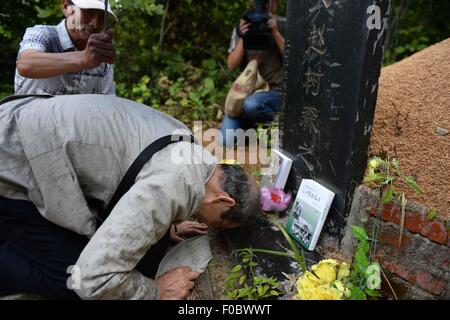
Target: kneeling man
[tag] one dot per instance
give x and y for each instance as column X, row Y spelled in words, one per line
column 62, row 159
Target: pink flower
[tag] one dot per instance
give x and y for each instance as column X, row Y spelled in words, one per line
column 274, row 199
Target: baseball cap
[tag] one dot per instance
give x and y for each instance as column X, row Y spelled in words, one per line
column 94, row 4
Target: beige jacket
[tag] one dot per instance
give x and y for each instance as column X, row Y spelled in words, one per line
column 60, row 151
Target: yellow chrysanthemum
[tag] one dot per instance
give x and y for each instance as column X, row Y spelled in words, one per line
column 321, row 292
column 343, row 271
column 327, row 293
column 326, row 270
column 308, row 280
column 327, row 282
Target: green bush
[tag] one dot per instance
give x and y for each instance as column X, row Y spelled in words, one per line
column 415, row 25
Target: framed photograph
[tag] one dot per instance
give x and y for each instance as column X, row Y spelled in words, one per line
column 309, row 212
column 277, row 173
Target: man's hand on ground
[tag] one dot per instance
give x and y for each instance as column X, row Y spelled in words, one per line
column 187, row 229
column 175, row 284
column 99, row 49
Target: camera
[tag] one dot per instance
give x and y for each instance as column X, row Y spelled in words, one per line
column 258, row 35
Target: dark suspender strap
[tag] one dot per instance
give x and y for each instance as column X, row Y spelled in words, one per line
column 131, row 174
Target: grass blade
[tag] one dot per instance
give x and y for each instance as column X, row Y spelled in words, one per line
column 300, row 258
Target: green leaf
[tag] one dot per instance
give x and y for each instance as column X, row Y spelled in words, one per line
column 209, row 83
column 260, row 289
column 412, row 183
column 232, row 295
column 209, row 64
column 300, row 258
column 447, row 224
column 388, row 180
column 42, row 13
column 387, row 196
column 363, row 246
column 372, row 293
column 395, row 163
column 244, row 253
column 374, row 177
column 265, row 289
column 194, row 95
column 275, row 253
column 361, row 260
column 236, row 268
column 400, row 50
column 431, row 214
column 274, row 293
column 242, row 279
column 359, row 233
column 357, row 294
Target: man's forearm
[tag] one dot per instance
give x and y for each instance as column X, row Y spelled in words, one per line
column 236, row 56
column 36, row 64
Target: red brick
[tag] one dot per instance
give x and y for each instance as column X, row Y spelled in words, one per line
column 415, row 222
column 391, row 238
column 428, row 282
column 435, row 231
column 391, row 213
column 417, row 278
column 398, row 269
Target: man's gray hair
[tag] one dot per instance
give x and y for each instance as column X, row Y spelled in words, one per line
column 242, row 188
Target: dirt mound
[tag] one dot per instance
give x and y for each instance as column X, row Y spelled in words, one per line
column 413, row 118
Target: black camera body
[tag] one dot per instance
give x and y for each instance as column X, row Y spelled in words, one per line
column 258, row 35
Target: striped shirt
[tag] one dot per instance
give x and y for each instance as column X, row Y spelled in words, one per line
column 56, row 39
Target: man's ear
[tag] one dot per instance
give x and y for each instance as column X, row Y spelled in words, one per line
column 225, row 198
column 66, row 8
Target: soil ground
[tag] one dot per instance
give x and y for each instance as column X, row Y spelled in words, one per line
column 413, row 101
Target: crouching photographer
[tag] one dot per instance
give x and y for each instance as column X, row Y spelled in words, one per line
column 249, row 41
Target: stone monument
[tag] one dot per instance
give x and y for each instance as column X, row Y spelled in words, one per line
column 334, row 51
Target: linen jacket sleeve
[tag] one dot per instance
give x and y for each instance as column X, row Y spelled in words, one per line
column 162, row 193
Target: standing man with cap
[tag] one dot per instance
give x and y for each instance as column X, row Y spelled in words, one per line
column 69, row 58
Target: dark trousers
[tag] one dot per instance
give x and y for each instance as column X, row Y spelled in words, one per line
column 35, row 253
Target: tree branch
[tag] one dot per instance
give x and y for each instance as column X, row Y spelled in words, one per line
column 162, row 32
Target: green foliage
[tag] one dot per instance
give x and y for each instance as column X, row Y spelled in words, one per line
column 243, row 283
column 192, row 95
column 176, row 62
column 364, row 278
column 300, row 258
column 386, row 174
column 447, row 225
column 415, row 25
column 431, row 214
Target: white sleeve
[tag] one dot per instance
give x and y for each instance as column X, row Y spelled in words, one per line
column 36, row 38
